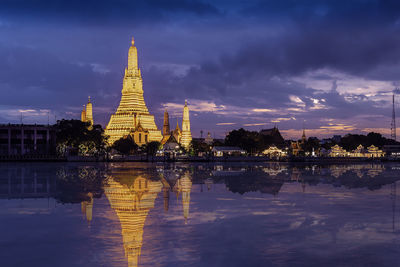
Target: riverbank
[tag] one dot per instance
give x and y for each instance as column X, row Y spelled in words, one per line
column 145, row 158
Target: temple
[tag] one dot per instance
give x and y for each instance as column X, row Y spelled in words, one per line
column 87, row 113
column 132, row 111
column 186, row 133
column 182, row 137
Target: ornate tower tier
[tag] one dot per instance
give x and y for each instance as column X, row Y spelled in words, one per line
column 132, row 107
column 186, row 133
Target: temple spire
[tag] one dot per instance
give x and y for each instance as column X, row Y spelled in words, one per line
column 89, row 112
column 166, row 129
column 186, row 133
column 132, row 104
column 133, row 60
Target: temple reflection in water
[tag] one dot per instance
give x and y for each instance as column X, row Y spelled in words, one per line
column 132, row 196
column 135, row 191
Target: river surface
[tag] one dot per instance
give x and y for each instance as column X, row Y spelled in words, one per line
column 234, row 214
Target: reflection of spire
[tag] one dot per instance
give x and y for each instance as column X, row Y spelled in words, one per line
column 87, row 208
column 166, row 188
column 185, row 186
column 166, row 198
column 132, row 203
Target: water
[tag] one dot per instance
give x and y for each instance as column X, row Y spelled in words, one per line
column 241, row 214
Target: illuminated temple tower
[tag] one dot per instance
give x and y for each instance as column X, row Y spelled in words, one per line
column 132, row 203
column 186, row 134
column 166, row 130
column 132, row 107
column 87, row 113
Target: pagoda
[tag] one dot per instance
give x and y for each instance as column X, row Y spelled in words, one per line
column 186, row 133
column 87, row 113
column 132, row 109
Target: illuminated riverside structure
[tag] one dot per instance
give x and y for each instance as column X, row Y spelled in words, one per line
column 132, row 203
column 166, row 130
column 87, row 113
column 371, row 152
column 186, row 134
column 273, row 151
column 132, row 111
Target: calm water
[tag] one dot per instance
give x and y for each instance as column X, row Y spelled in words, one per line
column 137, row 214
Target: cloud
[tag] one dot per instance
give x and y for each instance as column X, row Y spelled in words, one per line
column 226, row 123
column 104, row 12
column 262, row 110
column 261, row 62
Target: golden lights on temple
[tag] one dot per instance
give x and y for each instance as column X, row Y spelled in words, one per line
column 132, row 203
column 132, row 116
column 87, row 112
column 132, row 197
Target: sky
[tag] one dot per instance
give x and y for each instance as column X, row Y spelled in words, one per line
column 328, row 66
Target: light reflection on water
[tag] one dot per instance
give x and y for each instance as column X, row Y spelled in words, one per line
column 238, row 214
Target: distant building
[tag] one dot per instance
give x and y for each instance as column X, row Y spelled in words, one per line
column 208, row 140
column 23, row 139
column 374, row 152
column 392, row 150
column 338, row 151
column 274, row 152
column 360, row 151
column 295, row 148
column 274, row 134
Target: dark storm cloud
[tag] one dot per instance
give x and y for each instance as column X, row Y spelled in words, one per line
column 34, row 77
column 102, row 12
column 243, row 54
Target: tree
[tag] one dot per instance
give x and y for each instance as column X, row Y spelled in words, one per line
column 198, row 147
column 77, row 135
column 152, row 148
column 125, row 145
column 252, row 142
column 310, row 144
column 351, row 141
